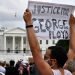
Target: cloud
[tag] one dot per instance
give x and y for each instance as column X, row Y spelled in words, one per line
column 12, row 9
column 12, row 24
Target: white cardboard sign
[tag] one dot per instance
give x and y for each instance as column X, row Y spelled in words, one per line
column 51, row 21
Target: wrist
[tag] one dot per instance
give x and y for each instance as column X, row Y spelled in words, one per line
column 29, row 26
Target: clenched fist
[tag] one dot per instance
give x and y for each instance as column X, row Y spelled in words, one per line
column 72, row 20
column 27, row 17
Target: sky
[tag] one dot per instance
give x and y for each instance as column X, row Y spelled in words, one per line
column 11, row 11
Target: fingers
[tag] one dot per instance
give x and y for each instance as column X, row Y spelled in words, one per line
column 27, row 15
column 72, row 20
column 27, row 10
column 71, row 15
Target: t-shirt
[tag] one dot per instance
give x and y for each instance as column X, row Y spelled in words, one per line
column 57, row 72
column 2, row 73
column 2, row 69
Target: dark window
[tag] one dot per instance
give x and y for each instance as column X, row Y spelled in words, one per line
column 40, row 41
column 46, row 41
column 24, row 40
column 53, row 41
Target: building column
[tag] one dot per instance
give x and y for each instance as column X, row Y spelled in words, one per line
column 4, row 42
column 22, row 43
column 13, row 42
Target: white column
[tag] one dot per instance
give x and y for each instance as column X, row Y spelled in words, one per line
column 22, row 43
column 13, row 42
column 4, row 42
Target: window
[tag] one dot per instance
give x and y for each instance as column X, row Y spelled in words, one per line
column 53, row 41
column 40, row 41
column 8, row 39
column 46, row 41
column 24, row 40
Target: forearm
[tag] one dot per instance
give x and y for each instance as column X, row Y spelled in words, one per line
column 43, row 67
column 72, row 38
column 71, row 53
column 72, row 33
column 33, row 42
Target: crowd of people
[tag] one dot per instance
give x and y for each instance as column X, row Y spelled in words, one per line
column 21, row 67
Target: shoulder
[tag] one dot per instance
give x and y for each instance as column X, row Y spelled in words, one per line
column 57, row 72
column 67, row 72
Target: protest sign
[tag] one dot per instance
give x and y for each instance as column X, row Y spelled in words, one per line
column 51, row 21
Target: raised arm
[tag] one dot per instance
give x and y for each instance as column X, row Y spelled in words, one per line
column 71, row 53
column 43, row 67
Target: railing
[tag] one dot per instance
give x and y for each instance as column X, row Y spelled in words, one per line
column 7, row 55
column 27, row 52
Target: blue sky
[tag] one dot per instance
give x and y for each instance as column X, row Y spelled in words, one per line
column 11, row 11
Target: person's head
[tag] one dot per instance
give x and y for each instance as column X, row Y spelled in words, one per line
column 12, row 62
column 56, row 55
column 47, row 54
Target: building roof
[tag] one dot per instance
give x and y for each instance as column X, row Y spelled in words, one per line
column 15, row 30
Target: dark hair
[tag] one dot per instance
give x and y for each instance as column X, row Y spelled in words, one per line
column 59, row 53
column 63, row 43
column 12, row 62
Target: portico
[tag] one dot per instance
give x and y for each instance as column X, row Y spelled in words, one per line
column 14, row 42
column 15, row 39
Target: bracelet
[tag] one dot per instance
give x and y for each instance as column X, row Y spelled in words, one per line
column 29, row 26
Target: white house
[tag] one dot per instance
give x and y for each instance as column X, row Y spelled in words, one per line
column 13, row 39
column 16, row 39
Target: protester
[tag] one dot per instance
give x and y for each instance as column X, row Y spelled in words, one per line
column 2, row 68
column 71, row 52
column 69, row 45
column 11, row 70
column 57, row 55
column 23, row 69
column 33, row 69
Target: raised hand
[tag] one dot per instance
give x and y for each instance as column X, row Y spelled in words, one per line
column 27, row 17
column 72, row 20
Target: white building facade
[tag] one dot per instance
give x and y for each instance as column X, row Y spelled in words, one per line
column 13, row 39
column 16, row 39
column 14, row 44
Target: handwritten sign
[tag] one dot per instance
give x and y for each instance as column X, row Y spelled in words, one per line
column 51, row 21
